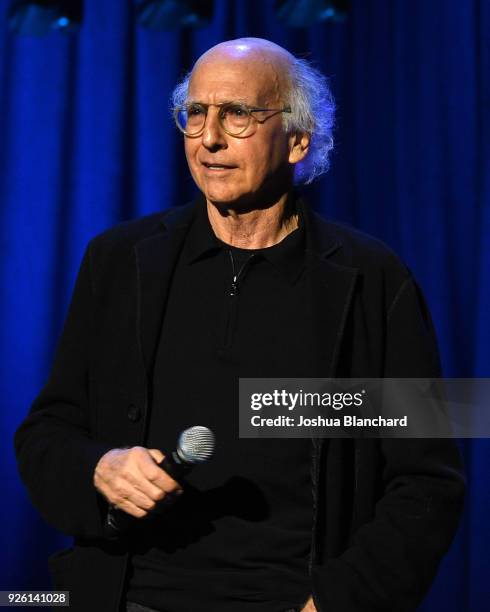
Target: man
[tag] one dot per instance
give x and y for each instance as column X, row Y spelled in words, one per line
column 169, row 311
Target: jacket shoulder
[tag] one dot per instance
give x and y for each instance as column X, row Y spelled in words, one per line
column 381, row 274
column 120, row 240
column 130, row 232
column 357, row 249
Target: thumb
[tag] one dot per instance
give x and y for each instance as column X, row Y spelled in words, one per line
column 156, row 454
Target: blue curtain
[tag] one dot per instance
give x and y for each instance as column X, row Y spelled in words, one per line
column 86, row 140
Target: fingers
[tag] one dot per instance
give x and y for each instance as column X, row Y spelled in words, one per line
column 131, row 509
column 156, row 454
column 309, row 606
column 155, row 474
column 171, row 487
column 131, row 480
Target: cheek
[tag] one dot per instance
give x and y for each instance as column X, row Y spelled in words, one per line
column 267, row 155
column 255, row 155
column 191, row 149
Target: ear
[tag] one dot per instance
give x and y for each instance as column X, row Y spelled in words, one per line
column 299, row 144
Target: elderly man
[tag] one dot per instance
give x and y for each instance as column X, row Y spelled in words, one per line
column 168, row 312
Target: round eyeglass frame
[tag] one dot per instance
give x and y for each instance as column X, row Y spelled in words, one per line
column 224, row 105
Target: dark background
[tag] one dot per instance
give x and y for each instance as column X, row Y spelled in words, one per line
column 86, row 140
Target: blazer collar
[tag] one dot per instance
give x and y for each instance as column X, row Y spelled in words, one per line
column 156, row 257
column 322, row 239
column 331, row 289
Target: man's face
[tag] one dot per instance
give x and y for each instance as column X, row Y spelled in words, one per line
column 255, row 166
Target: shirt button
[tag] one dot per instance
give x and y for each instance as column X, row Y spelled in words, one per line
column 134, row 413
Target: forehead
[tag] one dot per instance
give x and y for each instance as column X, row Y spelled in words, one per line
column 221, row 79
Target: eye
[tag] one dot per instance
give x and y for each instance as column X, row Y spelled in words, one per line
column 195, row 110
column 236, row 110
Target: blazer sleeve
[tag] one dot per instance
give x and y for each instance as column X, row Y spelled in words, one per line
column 55, row 446
column 392, row 559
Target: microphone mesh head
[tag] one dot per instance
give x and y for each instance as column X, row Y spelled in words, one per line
column 196, row 444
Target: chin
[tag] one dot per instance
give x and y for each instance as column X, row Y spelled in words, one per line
column 222, row 197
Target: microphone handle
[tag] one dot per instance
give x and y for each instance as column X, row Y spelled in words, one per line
column 175, row 467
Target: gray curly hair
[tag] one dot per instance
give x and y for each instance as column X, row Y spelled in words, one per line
column 312, row 112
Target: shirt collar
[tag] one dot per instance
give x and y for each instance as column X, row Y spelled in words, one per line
column 201, row 240
column 288, row 256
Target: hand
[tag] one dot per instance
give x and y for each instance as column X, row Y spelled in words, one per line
column 309, row 606
column 131, row 480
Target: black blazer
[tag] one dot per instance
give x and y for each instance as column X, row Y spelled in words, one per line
column 385, row 510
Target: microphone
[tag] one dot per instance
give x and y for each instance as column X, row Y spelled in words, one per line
column 195, row 445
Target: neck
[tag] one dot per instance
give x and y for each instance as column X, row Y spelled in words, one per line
column 255, row 228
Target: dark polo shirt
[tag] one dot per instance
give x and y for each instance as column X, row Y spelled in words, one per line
column 238, row 539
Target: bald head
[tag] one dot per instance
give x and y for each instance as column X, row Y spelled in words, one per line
column 250, row 49
column 256, row 58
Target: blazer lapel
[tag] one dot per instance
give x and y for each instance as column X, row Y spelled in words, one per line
column 156, row 257
column 331, row 287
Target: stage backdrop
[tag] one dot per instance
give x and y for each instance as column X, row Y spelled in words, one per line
column 87, row 140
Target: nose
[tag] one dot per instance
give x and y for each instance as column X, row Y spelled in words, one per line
column 213, row 136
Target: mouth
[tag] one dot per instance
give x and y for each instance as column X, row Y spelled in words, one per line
column 217, row 167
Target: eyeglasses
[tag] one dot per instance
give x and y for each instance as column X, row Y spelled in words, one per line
column 234, row 117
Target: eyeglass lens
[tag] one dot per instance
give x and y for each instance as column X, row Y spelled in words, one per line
column 233, row 117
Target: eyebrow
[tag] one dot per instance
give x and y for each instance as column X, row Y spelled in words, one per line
column 240, row 100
